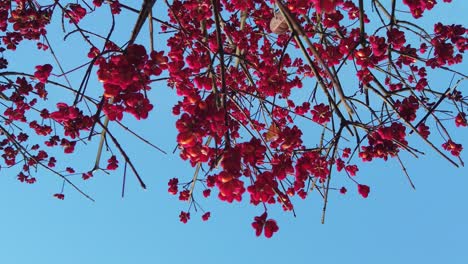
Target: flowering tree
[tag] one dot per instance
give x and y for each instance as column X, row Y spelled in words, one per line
column 240, row 69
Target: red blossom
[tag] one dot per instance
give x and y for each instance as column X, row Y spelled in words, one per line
column 184, row 217
column 363, row 190
column 407, row 108
column 346, row 152
column 184, row 195
column 326, row 6
column 68, row 146
column 75, row 13
column 43, row 72
column 206, row 216
column 396, row 38
column 93, row 52
column 382, row 142
column 261, row 223
column 352, row 169
column 340, row 164
column 87, row 175
column 453, row 147
column 270, row 228
column 112, row 163
column 31, row 180
column 301, row 193
column 321, row 113
column 22, row 177
column 173, row 189
column 206, row 193
column 424, row 130
column 59, row 196
column 97, row 3
column 460, row 120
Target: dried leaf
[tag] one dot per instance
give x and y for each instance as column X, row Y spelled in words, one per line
column 273, row 133
column 278, row 24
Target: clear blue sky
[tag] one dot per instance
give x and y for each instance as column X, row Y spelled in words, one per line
column 394, row 225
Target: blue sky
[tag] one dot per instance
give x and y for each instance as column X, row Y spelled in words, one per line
column 396, row 224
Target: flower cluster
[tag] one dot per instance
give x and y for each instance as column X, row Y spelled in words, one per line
column 386, row 141
column 237, row 114
column 72, row 119
column 75, row 13
column 126, row 77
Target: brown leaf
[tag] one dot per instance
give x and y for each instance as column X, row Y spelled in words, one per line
column 278, row 24
column 273, row 133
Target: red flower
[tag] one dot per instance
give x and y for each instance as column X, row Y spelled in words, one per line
column 326, row 6
column 352, row 169
column 407, row 109
column 363, row 190
column 113, row 112
column 113, row 163
column 31, row 180
column 68, row 146
column 173, row 189
column 301, row 193
column 64, row 113
column 206, row 216
column 460, row 120
column 453, row 147
column 424, row 130
column 87, row 175
column 346, row 153
column 138, row 106
column 321, row 114
column 343, row 190
column 270, row 228
column 206, row 193
column 93, row 52
column 260, row 223
column 184, row 217
column 339, row 164
column 43, row 72
column 396, row 38
column 184, row 195
column 76, row 13
column 97, row 3
column 59, row 196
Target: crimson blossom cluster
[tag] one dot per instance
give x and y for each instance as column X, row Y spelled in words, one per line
column 275, row 97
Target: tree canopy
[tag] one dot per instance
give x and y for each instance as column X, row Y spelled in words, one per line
column 276, row 99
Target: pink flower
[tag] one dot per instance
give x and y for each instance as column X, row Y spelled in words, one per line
column 43, row 72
